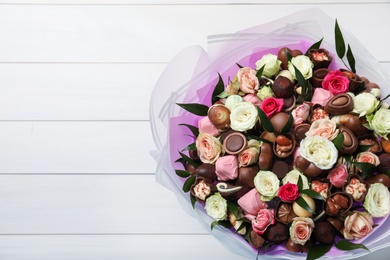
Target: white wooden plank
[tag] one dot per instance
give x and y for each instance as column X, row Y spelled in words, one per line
column 98, row 33
column 77, row 91
column 81, row 147
column 180, row 2
column 78, row 204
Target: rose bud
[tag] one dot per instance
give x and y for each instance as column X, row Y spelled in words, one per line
column 288, row 192
column 219, row 116
column 301, row 230
column 263, row 219
column 338, row 175
column 324, row 232
column 358, row 225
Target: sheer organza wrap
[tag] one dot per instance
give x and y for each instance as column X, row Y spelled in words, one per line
column 190, row 78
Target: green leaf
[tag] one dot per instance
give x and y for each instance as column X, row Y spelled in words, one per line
column 189, row 160
column 224, row 223
column 243, row 225
column 193, row 129
column 339, row 141
column 360, row 88
column 183, row 174
column 312, row 194
column 187, row 184
column 351, row 59
column 301, row 202
column 339, row 41
column 265, row 121
column 287, row 127
column 300, row 183
column 223, row 94
column 363, row 148
column 239, row 66
column 193, row 200
column 301, row 80
column 314, row 46
column 259, row 73
column 387, row 172
column 366, row 168
column 316, row 251
column 346, row 246
column 289, row 56
column 219, row 88
column 194, row 108
column 190, row 147
column 233, row 207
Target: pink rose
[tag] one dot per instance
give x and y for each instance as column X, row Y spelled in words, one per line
column 264, row 218
column 272, row 105
column 209, row 148
column 300, row 230
column 323, row 127
column 338, row 175
column 251, row 203
column 321, row 96
column 247, row 80
column 206, row 126
column 288, row 192
column 368, row 157
column 255, row 100
column 248, row 157
column 357, row 225
column 301, row 113
column 336, row 82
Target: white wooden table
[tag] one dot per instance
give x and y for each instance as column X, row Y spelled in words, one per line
column 76, row 177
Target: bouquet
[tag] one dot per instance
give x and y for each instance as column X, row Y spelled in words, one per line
column 281, row 145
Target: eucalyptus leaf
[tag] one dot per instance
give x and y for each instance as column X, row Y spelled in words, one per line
column 194, row 108
column 194, row 130
column 183, row 174
column 351, row 59
column 315, row 46
column 339, row 141
column 259, row 73
column 188, row 183
column 190, row 147
column 189, row 160
column 318, row 250
column 346, row 246
column 302, row 202
column 193, row 200
column 339, row 41
column 287, row 127
column 312, row 194
column 233, row 207
column 265, row 121
column 219, row 88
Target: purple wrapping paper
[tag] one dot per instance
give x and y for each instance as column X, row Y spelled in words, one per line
column 190, row 78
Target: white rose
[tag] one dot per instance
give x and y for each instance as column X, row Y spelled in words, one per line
column 272, row 65
column 376, row 92
column 243, row 116
column 232, row 100
column 380, row 122
column 364, row 104
column 303, row 64
column 293, row 176
column 267, row 184
column 377, row 200
column 265, row 92
column 319, row 150
column 216, row 207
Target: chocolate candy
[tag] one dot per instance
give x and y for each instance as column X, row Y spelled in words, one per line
column 307, row 168
column 350, row 141
column 339, row 105
column 266, row 157
column 234, row 143
column 246, row 176
column 380, row 178
column 320, row 58
column 280, row 168
column 279, row 120
column 284, row 212
column 318, row 77
column 297, row 248
column 229, row 191
column 355, row 80
column 300, row 132
column 256, row 240
column 219, row 116
column 338, row 203
column 284, row 145
column 324, row 232
column 384, row 162
column 277, row 233
column 283, row 87
column 207, row 171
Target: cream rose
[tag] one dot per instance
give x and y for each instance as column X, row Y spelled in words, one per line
column 272, row 65
column 301, row 229
column 232, row 100
column 267, row 184
column 303, row 64
column 364, row 104
column 368, row 157
column 248, row 157
column 293, row 176
column 209, row 148
column 265, row 92
column 323, row 127
column 377, row 200
column 216, row 207
column 380, row 122
column 247, row 80
column 357, row 225
column 243, row 116
column 320, row 151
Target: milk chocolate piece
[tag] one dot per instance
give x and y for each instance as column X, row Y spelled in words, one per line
column 266, row 157
column 355, row 80
column 320, row 58
column 297, row 248
column 350, row 141
column 283, row 87
column 219, row 116
column 318, row 77
column 300, row 132
column 246, row 176
column 280, row 168
column 235, row 143
column 380, row 178
column 307, row 168
column 277, row 233
column 384, row 165
column 340, row 104
column 289, row 103
column 207, row 171
column 284, row 145
column 284, row 212
column 371, row 139
column 279, row 120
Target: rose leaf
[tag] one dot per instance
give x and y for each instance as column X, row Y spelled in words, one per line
column 302, row 202
column 224, row 223
column 346, row 245
column 301, row 79
column 259, row 73
column 300, row 183
column 287, row 127
column 363, row 148
column 314, row 46
column 188, row 183
column 351, row 59
column 189, row 160
column 183, row 174
column 239, row 65
column 193, row 129
column 219, row 88
column 265, row 121
column 312, row 194
column 190, row 147
column 339, row 141
column 339, row 41
column 366, row 168
column 316, row 251
column 234, row 208
column 194, row 108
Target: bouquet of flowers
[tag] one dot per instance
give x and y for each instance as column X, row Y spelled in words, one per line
column 282, row 149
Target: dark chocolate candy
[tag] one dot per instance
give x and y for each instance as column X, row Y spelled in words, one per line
column 246, row 176
column 283, row 87
column 322, row 62
column 229, row 191
column 324, row 232
column 300, row 132
column 206, row 170
column 340, row 104
column 277, row 233
column 280, row 168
